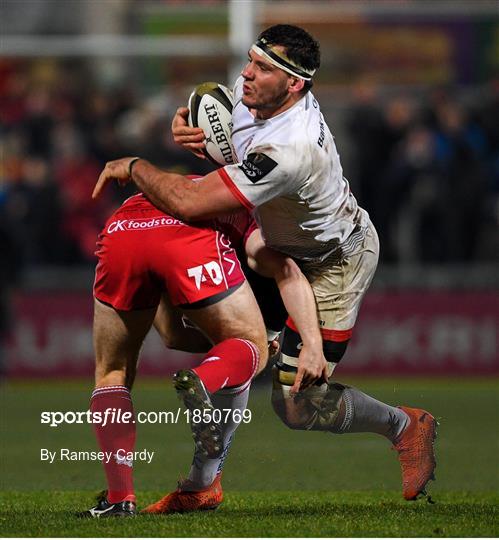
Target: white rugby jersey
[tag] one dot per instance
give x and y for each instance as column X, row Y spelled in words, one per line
column 290, row 171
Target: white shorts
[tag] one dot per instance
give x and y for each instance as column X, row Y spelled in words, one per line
column 339, row 285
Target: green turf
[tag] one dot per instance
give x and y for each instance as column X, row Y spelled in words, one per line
column 277, row 482
column 289, row 514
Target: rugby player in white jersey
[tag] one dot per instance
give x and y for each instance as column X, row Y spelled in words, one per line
column 289, row 173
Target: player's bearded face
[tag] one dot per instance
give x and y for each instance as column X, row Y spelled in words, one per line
column 265, row 86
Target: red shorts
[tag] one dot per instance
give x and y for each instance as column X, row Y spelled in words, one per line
column 142, row 252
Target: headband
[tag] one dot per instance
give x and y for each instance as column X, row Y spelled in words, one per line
column 279, row 59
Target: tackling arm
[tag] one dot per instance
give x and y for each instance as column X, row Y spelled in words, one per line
column 172, row 193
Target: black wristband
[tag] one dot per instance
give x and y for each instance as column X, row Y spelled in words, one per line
column 130, row 166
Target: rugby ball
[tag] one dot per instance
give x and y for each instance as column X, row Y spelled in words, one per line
column 210, row 108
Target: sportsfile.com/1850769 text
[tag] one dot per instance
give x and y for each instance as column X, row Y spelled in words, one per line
column 117, row 416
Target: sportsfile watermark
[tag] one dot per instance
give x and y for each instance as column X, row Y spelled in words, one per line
column 118, row 416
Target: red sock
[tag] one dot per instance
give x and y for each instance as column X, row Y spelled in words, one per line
column 114, row 436
column 231, row 363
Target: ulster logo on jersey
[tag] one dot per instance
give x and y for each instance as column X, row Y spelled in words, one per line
column 256, row 166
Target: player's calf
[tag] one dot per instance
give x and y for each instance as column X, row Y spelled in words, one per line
column 230, row 364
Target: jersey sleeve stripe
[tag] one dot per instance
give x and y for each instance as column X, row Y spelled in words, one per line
column 227, row 180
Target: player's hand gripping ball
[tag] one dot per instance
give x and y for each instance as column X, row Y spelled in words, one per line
column 210, row 108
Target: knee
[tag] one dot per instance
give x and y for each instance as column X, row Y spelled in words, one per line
column 172, row 342
column 315, row 409
column 186, row 340
column 289, row 415
column 259, row 340
column 294, row 413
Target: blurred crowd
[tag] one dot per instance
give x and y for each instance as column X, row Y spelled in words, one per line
column 426, row 169
column 58, row 131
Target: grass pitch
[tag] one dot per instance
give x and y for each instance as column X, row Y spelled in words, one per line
column 277, row 482
column 263, row 514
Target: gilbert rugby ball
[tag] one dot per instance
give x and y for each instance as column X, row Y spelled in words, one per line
column 210, row 108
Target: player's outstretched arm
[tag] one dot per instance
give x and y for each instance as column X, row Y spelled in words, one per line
column 172, row 193
column 187, row 137
column 299, row 301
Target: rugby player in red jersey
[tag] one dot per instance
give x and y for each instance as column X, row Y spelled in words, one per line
column 289, row 172
column 145, row 258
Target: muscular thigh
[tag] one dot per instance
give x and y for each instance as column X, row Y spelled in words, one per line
column 236, row 315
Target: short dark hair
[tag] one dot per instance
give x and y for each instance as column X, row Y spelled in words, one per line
column 299, row 45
